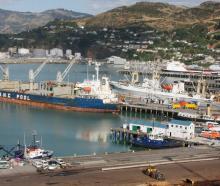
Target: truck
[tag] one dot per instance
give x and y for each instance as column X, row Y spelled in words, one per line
column 154, row 173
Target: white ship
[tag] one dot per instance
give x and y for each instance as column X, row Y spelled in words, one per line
column 151, row 89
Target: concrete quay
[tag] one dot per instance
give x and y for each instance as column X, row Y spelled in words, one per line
column 199, row 163
column 144, row 157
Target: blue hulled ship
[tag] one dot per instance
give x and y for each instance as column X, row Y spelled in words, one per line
column 153, row 142
column 90, row 96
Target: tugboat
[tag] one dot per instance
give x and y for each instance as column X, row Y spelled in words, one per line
column 155, row 142
column 35, row 152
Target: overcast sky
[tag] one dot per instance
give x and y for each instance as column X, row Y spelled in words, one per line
column 87, row 6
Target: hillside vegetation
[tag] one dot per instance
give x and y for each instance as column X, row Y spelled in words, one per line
column 157, row 15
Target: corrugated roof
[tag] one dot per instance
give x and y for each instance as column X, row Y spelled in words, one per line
column 147, row 123
column 180, row 122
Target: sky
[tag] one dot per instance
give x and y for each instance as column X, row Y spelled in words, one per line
column 86, row 6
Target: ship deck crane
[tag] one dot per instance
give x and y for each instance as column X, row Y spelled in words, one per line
column 33, row 74
column 5, row 71
column 61, row 76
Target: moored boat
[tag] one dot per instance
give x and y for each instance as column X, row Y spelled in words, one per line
column 34, row 151
column 95, row 96
column 196, row 117
column 155, row 142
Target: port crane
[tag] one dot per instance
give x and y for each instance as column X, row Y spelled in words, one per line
column 33, row 74
column 62, row 76
column 5, row 71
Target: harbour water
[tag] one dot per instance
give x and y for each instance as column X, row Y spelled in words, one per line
column 67, row 133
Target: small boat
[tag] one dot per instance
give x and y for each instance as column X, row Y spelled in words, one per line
column 35, row 152
column 154, row 142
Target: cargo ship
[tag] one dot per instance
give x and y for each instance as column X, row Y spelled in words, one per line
column 90, row 96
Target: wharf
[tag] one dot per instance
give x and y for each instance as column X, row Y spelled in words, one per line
column 149, row 108
column 192, row 75
column 195, row 163
column 142, row 158
column 138, row 104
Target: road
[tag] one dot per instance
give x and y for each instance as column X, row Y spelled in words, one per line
column 144, row 157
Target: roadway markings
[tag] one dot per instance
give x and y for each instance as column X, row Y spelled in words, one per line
column 159, row 163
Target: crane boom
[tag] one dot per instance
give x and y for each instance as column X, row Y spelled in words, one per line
column 34, row 74
column 5, row 71
column 62, row 76
column 2, row 68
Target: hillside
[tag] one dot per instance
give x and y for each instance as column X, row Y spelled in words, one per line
column 158, row 15
column 15, row 22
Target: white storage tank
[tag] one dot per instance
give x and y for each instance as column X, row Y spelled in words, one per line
column 23, row 51
column 68, row 52
column 39, row 53
column 56, row 52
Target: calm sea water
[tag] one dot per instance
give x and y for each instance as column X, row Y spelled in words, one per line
column 67, row 133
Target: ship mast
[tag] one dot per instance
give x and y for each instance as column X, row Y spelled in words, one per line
column 97, row 65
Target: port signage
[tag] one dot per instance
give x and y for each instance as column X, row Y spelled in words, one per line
column 17, row 96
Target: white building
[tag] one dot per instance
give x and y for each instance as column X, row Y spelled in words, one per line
column 181, row 129
column 77, row 55
column 116, row 60
column 68, row 52
column 175, row 128
column 23, row 51
column 4, row 55
column 12, row 50
column 154, row 128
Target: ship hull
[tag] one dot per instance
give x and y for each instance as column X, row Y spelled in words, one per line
column 67, row 104
column 196, row 119
column 155, row 144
